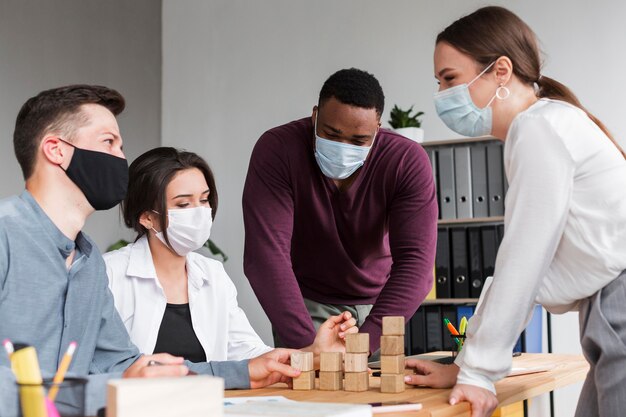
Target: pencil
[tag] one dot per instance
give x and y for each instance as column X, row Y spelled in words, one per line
column 8, row 346
column 60, row 375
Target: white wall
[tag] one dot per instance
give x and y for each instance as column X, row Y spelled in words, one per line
column 234, row 68
column 117, row 43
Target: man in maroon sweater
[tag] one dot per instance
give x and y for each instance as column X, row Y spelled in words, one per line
column 339, row 214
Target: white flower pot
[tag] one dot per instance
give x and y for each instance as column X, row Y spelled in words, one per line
column 413, row 133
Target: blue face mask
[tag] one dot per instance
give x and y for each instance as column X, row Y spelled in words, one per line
column 457, row 110
column 339, row 160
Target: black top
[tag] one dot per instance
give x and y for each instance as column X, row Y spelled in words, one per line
column 176, row 335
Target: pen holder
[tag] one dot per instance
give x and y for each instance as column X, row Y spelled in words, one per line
column 69, row 400
column 457, row 346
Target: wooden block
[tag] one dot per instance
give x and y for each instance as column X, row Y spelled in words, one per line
column 356, row 381
column 392, row 383
column 358, row 343
column 393, row 326
column 511, row 410
column 305, row 382
column 391, row 345
column 356, row 362
column 392, row 364
column 191, row 396
column 331, row 361
column 302, row 361
column 331, row 381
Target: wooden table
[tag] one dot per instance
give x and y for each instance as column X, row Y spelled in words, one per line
column 567, row 369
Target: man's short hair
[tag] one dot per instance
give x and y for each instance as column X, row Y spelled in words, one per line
column 57, row 110
column 354, row 87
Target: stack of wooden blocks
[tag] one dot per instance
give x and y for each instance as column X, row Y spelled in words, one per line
column 357, row 351
column 331, row 371
column 392, row 355
column 303, row 361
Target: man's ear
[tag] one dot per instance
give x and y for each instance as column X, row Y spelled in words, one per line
column 55, row 151
column 314, row 114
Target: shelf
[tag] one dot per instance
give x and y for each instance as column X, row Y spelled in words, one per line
column 494, row 219
column 427, row 144
column 454, row 301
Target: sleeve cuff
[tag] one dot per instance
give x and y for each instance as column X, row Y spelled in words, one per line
column 235, row 373
column 473, row 378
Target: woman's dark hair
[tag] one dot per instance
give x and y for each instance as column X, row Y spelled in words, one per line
column 492, row 32
column 149, row 176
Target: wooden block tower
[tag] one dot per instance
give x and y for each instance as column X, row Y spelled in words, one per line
column 357, row 351
column 303, row 361
column 392, row 355
column 331, row 371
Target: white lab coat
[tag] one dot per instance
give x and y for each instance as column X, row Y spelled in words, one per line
column 220, row 325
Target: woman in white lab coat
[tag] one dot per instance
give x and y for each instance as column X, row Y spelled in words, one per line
column 565, row 218
column 170, row 298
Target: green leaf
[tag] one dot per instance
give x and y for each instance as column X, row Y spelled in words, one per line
column 399, row 118
column 117, row 245
column 215, row 250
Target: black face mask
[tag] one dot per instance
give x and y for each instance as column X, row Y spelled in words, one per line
column 102, row 178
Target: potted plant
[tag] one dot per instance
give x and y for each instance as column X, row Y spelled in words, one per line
column 407, row 125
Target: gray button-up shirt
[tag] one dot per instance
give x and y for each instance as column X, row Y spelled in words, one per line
column 46, row 305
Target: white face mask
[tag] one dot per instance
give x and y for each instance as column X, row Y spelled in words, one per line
column 457, row 110
column 339, row 160
column 187, row 229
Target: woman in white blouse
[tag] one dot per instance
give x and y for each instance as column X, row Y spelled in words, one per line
column 172, row 299
column 565, row 219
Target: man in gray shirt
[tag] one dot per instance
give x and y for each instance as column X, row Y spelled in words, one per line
column 53, row 284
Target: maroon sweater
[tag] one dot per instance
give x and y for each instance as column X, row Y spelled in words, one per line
column 371, row 244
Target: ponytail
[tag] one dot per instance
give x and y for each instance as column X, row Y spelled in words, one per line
column 550, row 88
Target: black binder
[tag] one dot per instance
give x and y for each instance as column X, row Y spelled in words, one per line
column 490, row 249
column 476, row 276
column 418, row 332
column 460, row 271
column 442, row 264
column 500, row 233
column 434, row 329
column 448, row 312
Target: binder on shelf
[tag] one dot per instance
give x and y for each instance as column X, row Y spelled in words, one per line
column 447, row 195
column 463, row 182
column 490, row 249
column 495, row 175
column 434, row 328
column 532, row 333
column 500, row 233
column 460, row 271
column 474, row 248
column 480, row 196
column 442, row 264
column 448, row 312
column 418, row 332
column 464, row 311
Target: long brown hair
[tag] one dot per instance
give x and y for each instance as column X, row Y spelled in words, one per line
column 492, row 32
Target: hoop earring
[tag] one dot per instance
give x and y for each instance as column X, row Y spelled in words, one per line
column 502, row 92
